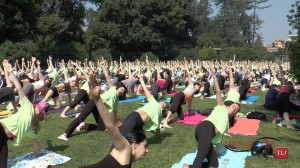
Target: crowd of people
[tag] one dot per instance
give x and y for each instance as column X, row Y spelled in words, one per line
column 101, row 84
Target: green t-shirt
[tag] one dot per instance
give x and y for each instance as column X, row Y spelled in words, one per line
column 154, row 111
column 20, row 123
column 219, row 117
column 233, row 96
column 55, row 76
column 86, row 88
column 110, row 99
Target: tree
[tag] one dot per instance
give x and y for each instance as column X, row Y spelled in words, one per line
column 18, row 19
column 294, row 47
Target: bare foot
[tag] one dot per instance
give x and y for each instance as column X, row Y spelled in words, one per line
column 185, row 165
column 166, row 126
column 63, row 116
column 56, row 108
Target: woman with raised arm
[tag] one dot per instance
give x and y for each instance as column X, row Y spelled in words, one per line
column 24, row 123
column 109, row 97
column 179, row 98
column 126, row 149
column 213, row 128
column 53, row 92
column 40, row 86
column 233, row 94
column 283, row 101
column 149, row 116
column 83, row 93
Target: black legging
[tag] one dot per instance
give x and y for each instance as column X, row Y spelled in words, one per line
column 283, row 103
column 155, row 89
column 81, row 96
column 176, row 102
column 89, row 108
column 169, row 84
column 204, row 134
column 3, row 147
column 206, row 89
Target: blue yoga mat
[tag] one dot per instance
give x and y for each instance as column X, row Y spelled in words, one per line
column 227, row 159
column 168, row 100
column 250, row 99
column 132, row 99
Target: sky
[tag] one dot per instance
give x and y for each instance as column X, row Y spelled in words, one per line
column 275, row 25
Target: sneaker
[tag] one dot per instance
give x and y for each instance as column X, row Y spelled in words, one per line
column 63, row 137
column 80, row 127
column 280, row 124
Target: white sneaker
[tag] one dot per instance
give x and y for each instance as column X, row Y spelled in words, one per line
column 280, row 124
column 63, row 137
column 79, row 127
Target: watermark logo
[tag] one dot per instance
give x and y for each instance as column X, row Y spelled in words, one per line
column 281, row 152
column 262, row 146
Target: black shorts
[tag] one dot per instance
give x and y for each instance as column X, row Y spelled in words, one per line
column 55, row 92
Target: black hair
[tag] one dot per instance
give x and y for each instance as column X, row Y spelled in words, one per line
column 229, row 103
column 231, row 121
column 135, row 137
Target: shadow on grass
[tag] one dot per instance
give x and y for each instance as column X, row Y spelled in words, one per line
column 56, row 148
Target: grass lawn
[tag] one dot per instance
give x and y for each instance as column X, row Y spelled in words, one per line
column 89, row 147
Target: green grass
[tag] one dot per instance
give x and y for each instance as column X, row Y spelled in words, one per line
column 89, row 147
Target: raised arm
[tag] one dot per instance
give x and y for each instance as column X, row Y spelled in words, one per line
column 119, row 142
column 8, row 82
column 15, row 81
column 107, row 78
column 281, row 73
column 217, row 88
column 41, row 77
column 147, row 93
column 33, row 59
column 231, row 80
column 188, row 74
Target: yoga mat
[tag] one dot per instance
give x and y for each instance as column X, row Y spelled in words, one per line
column 214, row 96
column 168, row 100
column 65, row 94
column 180, row 86
column 245, row 126
column 292, row 116
column 190, row 119
column 228, row 159
column 57, row 110
column 47, row 158
column 5, row 113
column 250, row 100
column 173, row 93
column 197, row 95
column 251, row 91
column 132, row 99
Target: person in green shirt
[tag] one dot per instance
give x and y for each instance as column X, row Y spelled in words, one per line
column 110, row 99
column 147, row 117
column 214, row 127
column 24, row 123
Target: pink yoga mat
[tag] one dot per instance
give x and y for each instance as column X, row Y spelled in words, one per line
column 296, row 117
column 190, row 119
column 245, row 126
column 173, row 93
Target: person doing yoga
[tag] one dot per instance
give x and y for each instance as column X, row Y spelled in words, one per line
column 23, row 123
column 126, row 149
column 213, row 128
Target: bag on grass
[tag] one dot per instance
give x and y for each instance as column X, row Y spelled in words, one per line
column 256, row 115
